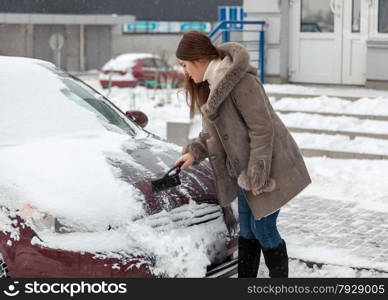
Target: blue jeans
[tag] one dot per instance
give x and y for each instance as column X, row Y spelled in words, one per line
column 264, row 229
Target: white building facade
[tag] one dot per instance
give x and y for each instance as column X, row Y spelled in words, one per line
column 324, row 41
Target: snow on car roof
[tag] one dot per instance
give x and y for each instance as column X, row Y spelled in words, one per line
column 33, row 104
column 125, row 61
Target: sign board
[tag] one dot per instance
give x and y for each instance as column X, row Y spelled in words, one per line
column 56, row 41
column 165, row 27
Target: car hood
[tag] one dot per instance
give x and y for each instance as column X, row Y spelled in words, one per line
column 149, row 162
column 166, row 233
column 69, row 178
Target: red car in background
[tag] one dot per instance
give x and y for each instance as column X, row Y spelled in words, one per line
column 140, row 69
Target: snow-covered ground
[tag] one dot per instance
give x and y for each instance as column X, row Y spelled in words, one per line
column 363, row 106
column 340, row 123
column 341, row 143
column 325, row 90
column 357, row 181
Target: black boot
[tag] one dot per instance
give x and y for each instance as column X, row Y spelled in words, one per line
column 248, row 257
column 276, row 260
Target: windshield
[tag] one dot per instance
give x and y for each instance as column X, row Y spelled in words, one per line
column 88, row 98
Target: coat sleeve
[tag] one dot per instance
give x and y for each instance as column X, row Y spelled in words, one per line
column 252, row 103
column 197, row 147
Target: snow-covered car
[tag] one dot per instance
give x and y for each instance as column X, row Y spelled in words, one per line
column 75, row 192
column 140, row 69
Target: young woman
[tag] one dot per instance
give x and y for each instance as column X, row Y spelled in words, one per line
column 251, row 152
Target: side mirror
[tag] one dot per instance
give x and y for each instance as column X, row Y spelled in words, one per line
column 138, row 117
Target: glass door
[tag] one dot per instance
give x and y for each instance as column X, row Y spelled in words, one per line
column 328, row 41
column 355, row 35
column 316, row 41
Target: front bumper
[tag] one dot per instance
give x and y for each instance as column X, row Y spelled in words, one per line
column 34, row 261
column 224, row 270
column 229, row 267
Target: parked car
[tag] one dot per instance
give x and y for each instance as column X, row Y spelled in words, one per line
column 69, row 210
column 140, row 69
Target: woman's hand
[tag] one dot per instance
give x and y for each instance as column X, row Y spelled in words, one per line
column 188, row 159
column 257, row 192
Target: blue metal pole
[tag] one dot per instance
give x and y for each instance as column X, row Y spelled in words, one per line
column 222, row 25
column 261, row 54
column 223, row 30
column 225, row 36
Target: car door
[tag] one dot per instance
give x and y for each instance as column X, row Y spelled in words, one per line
column 164, row 75
column 149, row 71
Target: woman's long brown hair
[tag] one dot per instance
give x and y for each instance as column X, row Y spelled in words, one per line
column 193, row 46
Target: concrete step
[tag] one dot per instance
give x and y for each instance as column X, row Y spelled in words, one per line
column 365, row 117
column 351, row 93
column 350, row 134
column 278, row 96
column 308, row 152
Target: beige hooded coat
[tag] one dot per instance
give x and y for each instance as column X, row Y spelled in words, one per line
column 246, row 142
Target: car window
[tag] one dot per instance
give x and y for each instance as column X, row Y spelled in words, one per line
column 160, row 64
column 148, row 63
column 86, row 97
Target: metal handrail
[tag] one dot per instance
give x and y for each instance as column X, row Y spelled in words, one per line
column 224, row 28
column 222, row 25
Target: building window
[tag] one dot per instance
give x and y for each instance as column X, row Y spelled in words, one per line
column 356, row 9
column 383, row 16
column 316, row 16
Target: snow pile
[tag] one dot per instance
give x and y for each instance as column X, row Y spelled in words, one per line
column 363, row 181
column 364, row 106
column 341, row 143
column 315, row 121
column 342, row 91
column 176, row 252
column 299, row 269
column 6, row 224
column 288, row 88
column 70, row 179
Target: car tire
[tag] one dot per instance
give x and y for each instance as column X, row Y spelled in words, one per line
column 3, row 268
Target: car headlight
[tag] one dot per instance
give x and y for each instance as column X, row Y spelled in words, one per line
column 40, row 221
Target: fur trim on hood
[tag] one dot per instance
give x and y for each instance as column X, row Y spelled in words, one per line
column 228, row 77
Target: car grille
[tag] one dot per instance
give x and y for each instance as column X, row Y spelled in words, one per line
column 3, row 268
column 184, row 216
